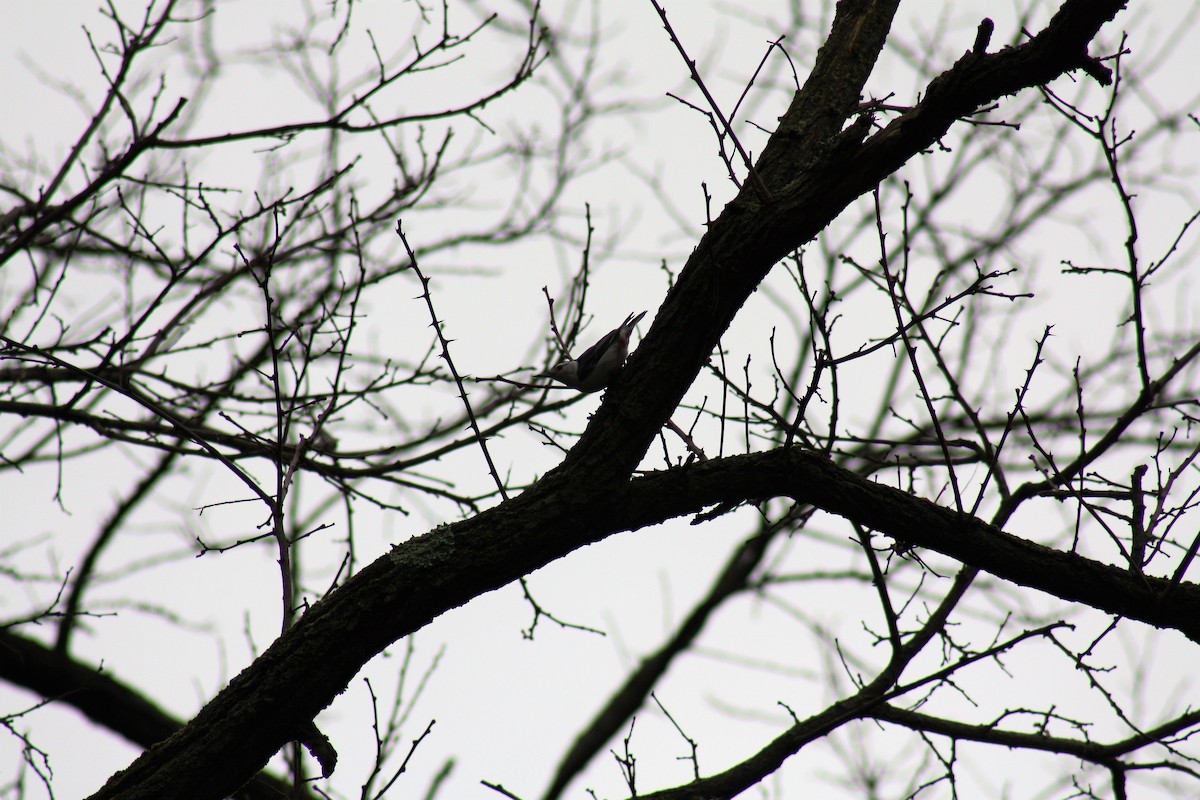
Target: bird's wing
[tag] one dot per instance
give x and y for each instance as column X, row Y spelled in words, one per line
column 591, row 357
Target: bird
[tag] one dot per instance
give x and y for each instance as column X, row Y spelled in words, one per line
column 599, row 364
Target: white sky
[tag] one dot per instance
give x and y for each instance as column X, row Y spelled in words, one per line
column 506, row 707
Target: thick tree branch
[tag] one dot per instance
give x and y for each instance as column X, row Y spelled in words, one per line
column 810, row 478
column 588, row 497
column 819, row 181
column 106, row 701
column 273, row 700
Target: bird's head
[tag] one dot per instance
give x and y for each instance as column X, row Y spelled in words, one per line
column 566, row 373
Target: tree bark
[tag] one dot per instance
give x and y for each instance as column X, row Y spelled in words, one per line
column 814, row 166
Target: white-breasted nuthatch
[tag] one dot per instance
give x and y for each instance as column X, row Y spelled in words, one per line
column 599, row 364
